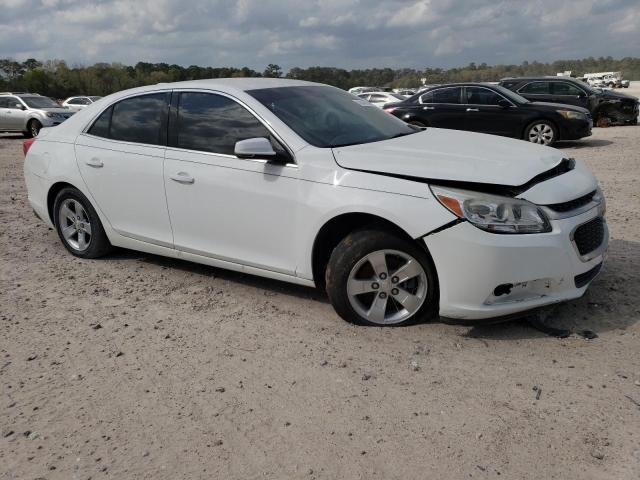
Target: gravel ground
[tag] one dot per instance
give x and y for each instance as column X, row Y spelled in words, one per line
column 137, row 366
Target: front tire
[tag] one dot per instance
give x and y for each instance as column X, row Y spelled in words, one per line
column 541, row 132
column 375, row 278
column 33, row 128
column 79, row 226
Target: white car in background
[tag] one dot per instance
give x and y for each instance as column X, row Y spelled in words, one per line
column 380, row 99
column 78, row 103
column 302, row 182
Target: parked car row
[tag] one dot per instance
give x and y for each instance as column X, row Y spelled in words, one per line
column 495, row 110
column 27, row 113
column 304, row 183
column 541, row 110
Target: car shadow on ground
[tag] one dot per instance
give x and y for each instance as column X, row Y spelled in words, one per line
column 584, row 143
column 608, row 304
column 12, row 136
column 271, row 285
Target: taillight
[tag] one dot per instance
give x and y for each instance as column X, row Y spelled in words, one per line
column 26, row 145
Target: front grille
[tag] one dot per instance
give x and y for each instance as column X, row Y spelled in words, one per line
column 572, row 204
column 589, row 236
column 584, row 278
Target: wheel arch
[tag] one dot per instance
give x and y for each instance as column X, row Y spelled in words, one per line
column 337, row 228
column 52, row 194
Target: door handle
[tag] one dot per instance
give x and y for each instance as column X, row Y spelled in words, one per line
column 182, row 177
column 428, row 108
column 472, row 110
column 95, row 163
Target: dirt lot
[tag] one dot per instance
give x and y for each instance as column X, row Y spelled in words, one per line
column 138, row 366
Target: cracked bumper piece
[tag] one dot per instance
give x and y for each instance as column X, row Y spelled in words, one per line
column 484, row 275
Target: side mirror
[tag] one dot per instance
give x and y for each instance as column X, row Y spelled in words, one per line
column 258, row 147
column 19, row 106
column 504, row 103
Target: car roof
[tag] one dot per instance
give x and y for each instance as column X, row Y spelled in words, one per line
column 541, row 77
column 244, row 84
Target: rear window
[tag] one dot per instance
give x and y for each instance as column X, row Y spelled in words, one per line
column 137, row 119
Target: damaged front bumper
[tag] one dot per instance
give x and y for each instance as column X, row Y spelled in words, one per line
column 485, row 275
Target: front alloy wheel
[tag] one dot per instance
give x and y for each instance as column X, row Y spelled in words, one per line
column 377, row 278
column 541, row 133
column 387, row 287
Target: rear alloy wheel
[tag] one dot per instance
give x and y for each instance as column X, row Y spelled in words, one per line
column 79, row 226
column 376, row 278
column 541, row 132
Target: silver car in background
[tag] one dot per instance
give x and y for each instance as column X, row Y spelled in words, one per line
column 27, row 113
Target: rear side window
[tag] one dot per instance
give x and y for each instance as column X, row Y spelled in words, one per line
column 509, row 84
column 213, row 123
column 139, row 119
column 536, row 88
column 442, row 95
column 100, row 127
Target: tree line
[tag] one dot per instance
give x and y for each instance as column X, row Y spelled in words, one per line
column 54, row 78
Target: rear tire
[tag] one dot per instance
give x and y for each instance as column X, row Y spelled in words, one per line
column 79, row 226
column 541, row 132
column 401, row 289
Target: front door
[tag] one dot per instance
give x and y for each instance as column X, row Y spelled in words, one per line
column 221, row 206
column 121, row 160
column 485, row 115
column 565, row 92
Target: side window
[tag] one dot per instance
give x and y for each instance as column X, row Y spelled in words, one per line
column 4, row 103
column 139, row 119
column 74, row 101
column 11, row 102
column 427, row 98
column 100, row 127
column 213, row 123
column 536, row 88
column 563, row 88
column 378, row 98
column 509, row 84
column 447, row 95
column 481, row 96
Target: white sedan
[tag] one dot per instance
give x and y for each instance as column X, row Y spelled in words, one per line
column 304, row 183
column 78, row 103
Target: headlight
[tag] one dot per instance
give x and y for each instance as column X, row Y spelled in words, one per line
column 493, row 213
column 571, row 115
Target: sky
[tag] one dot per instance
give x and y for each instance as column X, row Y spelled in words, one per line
column 340, row 33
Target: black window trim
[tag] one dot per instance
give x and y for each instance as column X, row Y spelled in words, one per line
column 163, row 121
column 442, row 88
column 519, row 91
column 173, row 118
column 464, row 96
column 553, row 88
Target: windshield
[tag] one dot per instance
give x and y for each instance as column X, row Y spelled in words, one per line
column 328, row 117
column 513, row 96
column 40, row 102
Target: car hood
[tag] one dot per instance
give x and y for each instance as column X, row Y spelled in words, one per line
column 611, row 95
column 556, row 106
column 56, row 110
column 451, row 155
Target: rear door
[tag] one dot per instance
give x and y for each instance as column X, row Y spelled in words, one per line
column 443, row 108
column 121, row 160
column 483, row 114
column 567, row 93
column 537, row 91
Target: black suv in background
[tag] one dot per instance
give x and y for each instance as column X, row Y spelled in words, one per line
column 492, row 109
column 612, row 107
